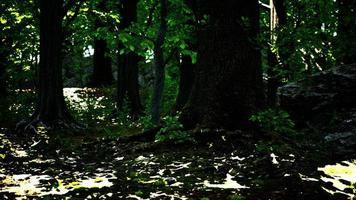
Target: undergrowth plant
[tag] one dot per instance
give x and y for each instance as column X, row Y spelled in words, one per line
column 172, row 130
column 275, row 120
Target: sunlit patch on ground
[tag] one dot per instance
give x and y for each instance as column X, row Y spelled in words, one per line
column 228, row 184
column 9, row 147
column 83, row 100
column 342, row 176
column 27, row 185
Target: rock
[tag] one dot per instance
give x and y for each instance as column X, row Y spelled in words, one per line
column 323, row 92
column 326, row 102
column 337, row 136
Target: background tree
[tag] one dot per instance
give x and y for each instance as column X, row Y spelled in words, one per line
column 228, row 85
column 159, row 64
column 128, row 63
column 186, row 79
column 102, row 70
column 346, row 30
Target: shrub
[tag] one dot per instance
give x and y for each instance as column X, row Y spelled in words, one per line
column 275, row 120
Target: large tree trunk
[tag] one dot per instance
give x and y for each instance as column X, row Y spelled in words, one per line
column 5, row 43
column 228, row 85
column 51, row 109
column 102, row 73
column 128, row 64
column 346, row 41
column 159, row 65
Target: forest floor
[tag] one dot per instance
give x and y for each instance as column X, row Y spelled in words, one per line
column 217, row 165
column 104, row 163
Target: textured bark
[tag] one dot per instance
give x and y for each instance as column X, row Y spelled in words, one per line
column 228, row 85
column 186, row 79
column 281, row 11
column 273, row 81
column 128, row 82
column 51, row 109
column 5, row 43
column 128, row 63
column 346, row 42
column 159, row 65
column 2, row 73
column 102, row 73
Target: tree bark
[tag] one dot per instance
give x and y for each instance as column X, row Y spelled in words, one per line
column 281, row 11
column 128, row 64
column 3, row 64
column 159, row 65
column 5, row 43
column 102, row 73
column 228, row 86
column 51, row 110
column 346, row 39
column 186, row 79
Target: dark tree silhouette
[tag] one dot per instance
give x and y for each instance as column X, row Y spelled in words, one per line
column 228, row 84
column 51, row 109
column 102, row 72
column 3, row 64
column 4, row 52
column 346, row 42
column 159, row 65
column 186, row 71
column 128, row 63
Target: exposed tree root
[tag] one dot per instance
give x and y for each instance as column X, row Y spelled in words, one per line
column 36, row 125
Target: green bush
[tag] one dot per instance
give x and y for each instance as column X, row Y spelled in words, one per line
column 275, row 120
column 172, row 130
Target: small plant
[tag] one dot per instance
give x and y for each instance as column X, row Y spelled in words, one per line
column 236, row 197
column 275, row 120
column 172, row 130
column 146, row 122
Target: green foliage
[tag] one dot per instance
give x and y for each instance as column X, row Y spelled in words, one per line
column 236, row 197
column 91, row 106
column 17, row 106
column 305, row 43
column 172, row 130
column 275, row 120
column 146, row 122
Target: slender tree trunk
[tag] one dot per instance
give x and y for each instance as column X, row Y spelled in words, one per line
column 128, row 64
column 186, row 79
column 278, row 17
column 102, row 73
column 159, row 65
column 228, row 86
column 346, row 39
column 281, row 11
column 128, row 82
column 51, row 109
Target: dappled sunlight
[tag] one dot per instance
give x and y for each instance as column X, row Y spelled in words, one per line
column 42, row 185
column 12, row 148
column 342, row 176
column 228, row 184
